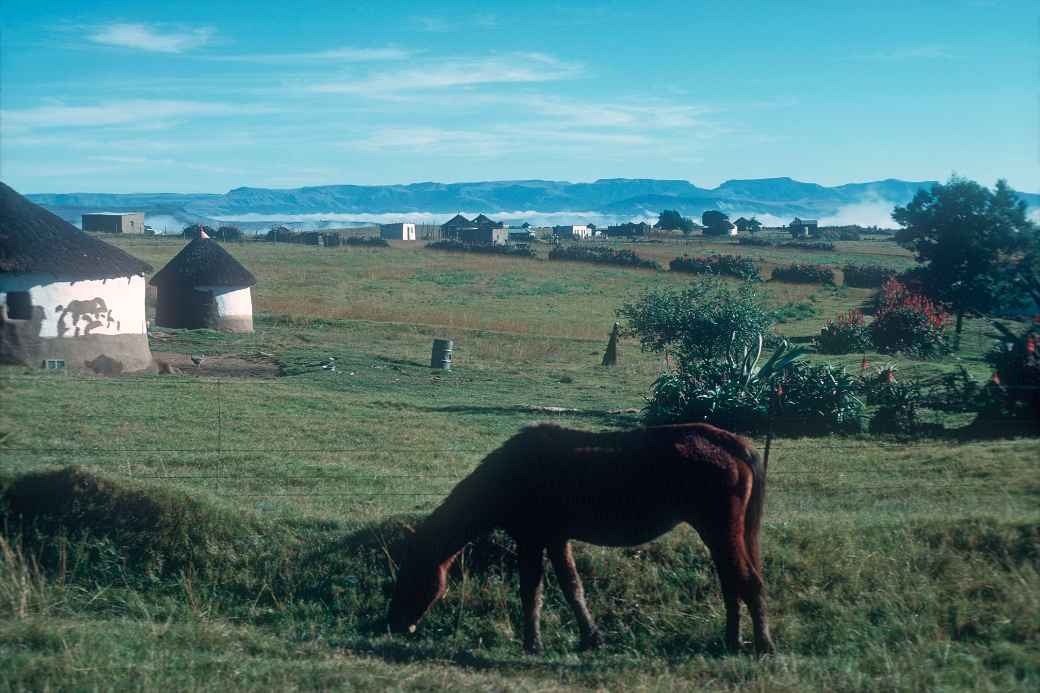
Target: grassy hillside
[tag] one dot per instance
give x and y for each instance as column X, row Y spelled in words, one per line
column 239, row 523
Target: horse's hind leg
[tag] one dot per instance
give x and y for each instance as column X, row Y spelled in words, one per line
column 740, row 580
column 728, row 581
column 570, row 582
column 531, row 558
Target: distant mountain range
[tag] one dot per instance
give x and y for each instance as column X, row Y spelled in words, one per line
column 774, row 198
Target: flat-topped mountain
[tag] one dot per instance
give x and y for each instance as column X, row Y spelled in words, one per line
column 779, row 197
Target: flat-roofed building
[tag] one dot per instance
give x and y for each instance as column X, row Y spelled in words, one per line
column 397, row 232
column 114, row 222
column 572, row 231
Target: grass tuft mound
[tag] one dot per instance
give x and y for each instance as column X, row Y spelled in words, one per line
column 155, row 532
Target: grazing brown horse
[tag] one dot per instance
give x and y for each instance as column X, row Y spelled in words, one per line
column 548, row 485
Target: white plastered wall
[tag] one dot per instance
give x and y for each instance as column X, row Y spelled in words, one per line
column 95, row 306
column 231, row 301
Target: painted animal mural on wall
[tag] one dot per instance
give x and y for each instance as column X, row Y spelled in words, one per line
column 93, row 313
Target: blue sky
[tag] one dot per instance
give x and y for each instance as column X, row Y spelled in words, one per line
column 130, row 96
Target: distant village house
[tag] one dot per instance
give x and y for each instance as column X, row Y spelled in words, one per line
column 114, row 222
column 803, row 228
column 745, row 225
column 572, row 232
column 397, row 232
column 479, row 230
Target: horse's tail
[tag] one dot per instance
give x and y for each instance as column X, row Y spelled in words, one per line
column 755, row 507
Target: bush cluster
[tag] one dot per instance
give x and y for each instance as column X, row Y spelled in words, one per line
column 808, row 245
column 909, row 323
column 719, row 265
column 192, row 231
column 804, row 274
column 791, row 312
column 228, row 233
column 753, row 241
column 486, row 248
column 702, row 321
column 601, row 255
column 369, row 241
column 808, row 399
column 838, row 233
column 845, row 334
column 867, row 276
column 1016, row 362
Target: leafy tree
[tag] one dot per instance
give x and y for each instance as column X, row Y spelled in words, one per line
column 965, row 235
column 704, row 321
column 671, row 219
column 716, row 223
column 192, row 231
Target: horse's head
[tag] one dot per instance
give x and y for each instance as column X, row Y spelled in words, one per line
column 419, row 585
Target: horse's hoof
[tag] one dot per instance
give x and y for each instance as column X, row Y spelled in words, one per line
column 591, row 641
column 533, row 648
column 763, row 649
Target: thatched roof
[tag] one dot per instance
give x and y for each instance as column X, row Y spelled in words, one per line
column 203, row 262
column 35, row 241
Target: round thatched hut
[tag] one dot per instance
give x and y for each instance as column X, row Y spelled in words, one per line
column 204, row 287
column 67, row 299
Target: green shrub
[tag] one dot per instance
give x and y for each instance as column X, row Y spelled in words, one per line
column 1016, row 360
column 228, row 233
column 193, row 231
column 897, row 405
column 367, row 241
column 804, row 274
column 810, row 399
column 719, row 265
column 846, row 334
column 866, row 276
column 838, row 233
column 803, row 245
column 703, row 321
column 756, row 242
column 601, row 255
column 792, row 312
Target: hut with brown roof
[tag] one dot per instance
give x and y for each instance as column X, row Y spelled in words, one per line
column 203, row 287
column 67, row 299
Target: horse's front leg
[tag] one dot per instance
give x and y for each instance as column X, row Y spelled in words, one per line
column 532, row 569
column 570, row 582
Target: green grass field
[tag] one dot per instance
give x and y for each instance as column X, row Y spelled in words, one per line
column 239, row 524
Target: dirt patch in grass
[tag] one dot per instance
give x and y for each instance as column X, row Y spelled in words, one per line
column 217, row 366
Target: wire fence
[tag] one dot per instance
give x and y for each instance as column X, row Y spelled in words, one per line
column 224, row 463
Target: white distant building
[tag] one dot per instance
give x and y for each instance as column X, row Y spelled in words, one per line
column 67, row 299
column 397, row 232
column 572, row 231
column 114, row 222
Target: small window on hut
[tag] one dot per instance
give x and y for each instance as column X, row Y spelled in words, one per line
column 19, row 305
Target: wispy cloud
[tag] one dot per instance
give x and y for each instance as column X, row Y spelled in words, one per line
column 442, row 25
column 151, row 38
column 118, row 113
column 493, row 141
column 514, row 68
column 922, row 52
column 344, row 54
